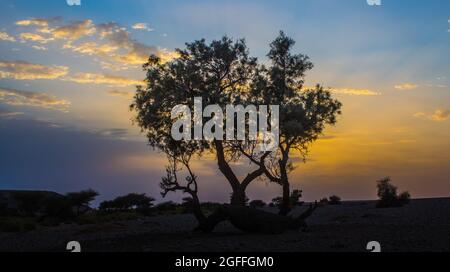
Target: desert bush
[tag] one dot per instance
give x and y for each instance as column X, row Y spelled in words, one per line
column 387, row 194
column 293, row 198
column 257, row 203
column 168, row 206
column 334, row 200
column 80, row 200
column 404, row 198
column 129, row 202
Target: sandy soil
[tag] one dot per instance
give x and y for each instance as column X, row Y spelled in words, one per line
column 423, row 225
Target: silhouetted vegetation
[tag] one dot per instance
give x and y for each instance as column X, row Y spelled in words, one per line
column 26, row 210
column 81, row 200
column 303, row 113
column 294, row 199
column 388, row 196
column 130, row 202
column 222, row 72
column 257, row 203
column 334, row 200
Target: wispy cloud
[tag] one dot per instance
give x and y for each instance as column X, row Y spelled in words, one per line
column 34, row 99
column 34, row 22
column 123, row 94
column 74, row 31
column 142, row 26
column 27, row 36
column 38, row 47
column 6, row 37
column 406, row 86
column 23, row 70
column 86, row 78
column 351, row 91
column 438, row 115
column 9, row 114
column 110, row 42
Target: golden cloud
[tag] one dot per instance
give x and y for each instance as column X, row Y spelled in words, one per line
column 85, row 78
column 34, row 99
column 29, row 71
column 142, row 26
column 91, row 48
column 438, row 115
column 350, row 91
column 34, row 37
column 114, row 45
column 74, row 31
column 406, row 86
column 123, row 94
column 34, row 22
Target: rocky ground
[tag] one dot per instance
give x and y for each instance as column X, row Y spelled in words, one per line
column 422, row 225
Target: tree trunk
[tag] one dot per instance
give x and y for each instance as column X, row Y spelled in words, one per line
column 285, row 207
column 238, row 196
column 197, row 210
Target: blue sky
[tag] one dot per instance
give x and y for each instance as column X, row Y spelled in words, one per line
column 388, row 64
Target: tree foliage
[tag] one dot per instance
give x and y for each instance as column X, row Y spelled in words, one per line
column 222, row 72
column 387, row 194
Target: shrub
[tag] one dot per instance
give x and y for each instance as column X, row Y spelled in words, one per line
column 404, row 198
column 166, row 206
column 80, row 200
column 129, row 202
column 387, row 194
column 334, row 200
column 257, row 203
column 293, row 198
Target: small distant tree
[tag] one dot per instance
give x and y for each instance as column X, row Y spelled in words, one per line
column 404, row 198
column 129, row 202
column 334, row 200
column 387, row 194
column 294, row 199
column 80, row 200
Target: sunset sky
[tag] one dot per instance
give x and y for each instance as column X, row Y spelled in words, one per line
column 68, row 74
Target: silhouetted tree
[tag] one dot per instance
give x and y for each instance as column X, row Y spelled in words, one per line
column 387, row 194
column 129, row 202
column 220, row 73
column 294, row 199
column 334, row 200
column 80, row 200
column 170, row 183
column 304, row 113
